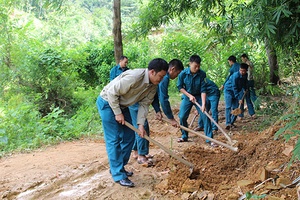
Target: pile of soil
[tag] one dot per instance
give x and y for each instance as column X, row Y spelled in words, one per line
column 80, row 170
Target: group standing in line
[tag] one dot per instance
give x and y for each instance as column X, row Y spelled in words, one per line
column 130, row 92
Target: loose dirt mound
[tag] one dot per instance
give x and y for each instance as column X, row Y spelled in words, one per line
column 79, row 170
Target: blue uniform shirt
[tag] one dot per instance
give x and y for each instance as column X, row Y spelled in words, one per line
column 237, row 83
column 163, row 96
column 194, row 84
column 211, row 88
column 116, row 71
column 234, row 68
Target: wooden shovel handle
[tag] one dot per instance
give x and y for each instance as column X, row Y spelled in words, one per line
column 168, row 151
column 219, row 127
column 205, row 137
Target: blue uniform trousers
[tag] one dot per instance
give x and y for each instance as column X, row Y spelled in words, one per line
column 185, row 108
column 141, row 145
column 212, row 102
column 118, row 138
column 231, row 103
column 249, row 104
column 253, row 96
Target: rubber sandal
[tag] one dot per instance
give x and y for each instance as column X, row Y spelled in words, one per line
column 149, row 156
column 181, row 140
column 145, row 163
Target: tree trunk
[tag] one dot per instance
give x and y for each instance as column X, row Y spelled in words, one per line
column 273, row 64
column 118, row 46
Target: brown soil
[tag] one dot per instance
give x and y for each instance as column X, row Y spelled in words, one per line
column 79, row 170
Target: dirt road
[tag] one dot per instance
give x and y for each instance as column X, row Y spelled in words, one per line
column 79, row 170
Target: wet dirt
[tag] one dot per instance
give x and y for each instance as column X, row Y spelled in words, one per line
column 79, row 169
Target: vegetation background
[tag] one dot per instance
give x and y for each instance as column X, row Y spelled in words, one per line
column 55, row 57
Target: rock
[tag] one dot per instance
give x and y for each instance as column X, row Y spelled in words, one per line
column 225, row 187
column 283, row 181
column 273, row 198
column 244, row 183
column 288, row 149
column 162, row 185
column 203, row 195
column 271, row 166
column 272, row 187
column 233, row 197
column 190, row 186
column 262, row 174
column 185, row 196
column 210, row 196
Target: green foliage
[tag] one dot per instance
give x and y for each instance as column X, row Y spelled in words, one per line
column 249, row 195
column 52, row 81
column 291, row 128
column 22, row 127
column 94, row 68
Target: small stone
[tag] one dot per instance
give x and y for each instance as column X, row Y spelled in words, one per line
column 273, row 198
column 233, row 197
column 190, row 186
column 283, row 181
column 244, row 183
column 288, row 149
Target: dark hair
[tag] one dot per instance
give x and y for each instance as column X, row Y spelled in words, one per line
column 177, row 64
column 123, row 57
column 244, row 56
column 232, row 58
column 195, row 58
column 158, row 64
column 244, row 66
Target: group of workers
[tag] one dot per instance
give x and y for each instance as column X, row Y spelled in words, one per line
column 128, row 95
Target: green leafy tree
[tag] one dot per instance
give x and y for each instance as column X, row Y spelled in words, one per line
column 276, row 23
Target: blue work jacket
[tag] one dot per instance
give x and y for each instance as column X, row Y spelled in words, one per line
column 194, row 84
column 116, row 71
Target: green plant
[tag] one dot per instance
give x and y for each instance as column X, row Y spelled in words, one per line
column 249, row 195
column 291, row 128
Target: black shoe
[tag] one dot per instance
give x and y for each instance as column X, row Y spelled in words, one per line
column 127, row 173
column 126, row 182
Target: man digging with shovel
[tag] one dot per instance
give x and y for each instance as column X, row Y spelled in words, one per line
column 192, row 84
column 132, row 86
column 234, row 90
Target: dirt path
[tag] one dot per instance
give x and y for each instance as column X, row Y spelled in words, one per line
column 79, row 170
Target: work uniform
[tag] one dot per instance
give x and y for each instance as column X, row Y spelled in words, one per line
column 125, row 90
column 194, row 84
column 235, row 67
column 163, row 96
column 161, row 99
column 116, row 71
column 233, row 92
column 141, row 145
column 212, row 101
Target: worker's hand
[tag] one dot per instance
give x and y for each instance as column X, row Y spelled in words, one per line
column 222, row 87
column 203, row 108
column 241, row 101
column 192, row 98
column 174, row 123
column 142, row 131
column 158, row 116
column 120, row 118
